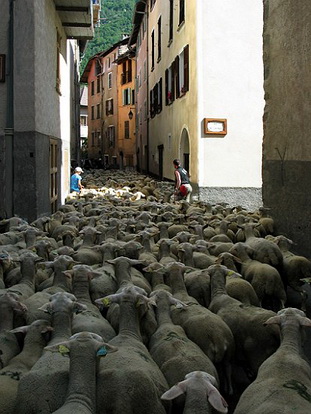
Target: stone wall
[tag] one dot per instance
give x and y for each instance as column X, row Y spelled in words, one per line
column 287, row 121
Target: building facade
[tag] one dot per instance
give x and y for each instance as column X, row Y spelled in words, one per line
column 201, row 56
column 110, row 76
column 286, row 144
column 127, row 118
column 40, row 43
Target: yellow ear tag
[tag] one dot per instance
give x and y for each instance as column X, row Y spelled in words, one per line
column 106, row 301
column 63, row 350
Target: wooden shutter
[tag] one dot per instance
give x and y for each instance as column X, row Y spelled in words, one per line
column 166, row 88
column 160, row 96
column 177, row 77
column 186, row 68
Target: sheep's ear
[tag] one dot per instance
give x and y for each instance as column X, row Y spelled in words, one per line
column 304, row 321
column 106, row 349
column 216, row 400
column 174, row 392
column 78, row 307
column 273, row 319
column 179, row 304
column 68, row 273
column 20, row 329
column 46, row 308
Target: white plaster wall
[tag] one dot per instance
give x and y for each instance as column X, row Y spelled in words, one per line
column 230, row 85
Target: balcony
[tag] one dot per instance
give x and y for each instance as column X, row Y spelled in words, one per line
column 78, row 17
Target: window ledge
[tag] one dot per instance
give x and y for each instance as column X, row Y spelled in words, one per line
column 170, row 42
column 159, row 59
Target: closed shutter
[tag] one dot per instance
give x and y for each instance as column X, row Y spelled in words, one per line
column 166, row 87
column 177, row 76
column 186, row 68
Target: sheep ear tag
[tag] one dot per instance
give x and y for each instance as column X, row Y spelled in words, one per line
column 63, row 350
column 106, row 301
column 102, row 352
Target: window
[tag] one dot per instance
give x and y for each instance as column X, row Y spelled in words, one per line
column 152, row 50
column 58, row 53
column 156, row 99
column 126, row 97
column 114, row 160
column 111, row 135
column 109, row 80
column 98, row 67
column 126, row 129
column 98, row 111
column 109, row 107
column 171, row 21
column 159, row 39
column 181, row 11
column 92, row 88
column 152, row 3
column 83, row 120
column 177, row 77
column 126, row 75
column 184, row 71
column 129, row 70
column 98, row 85
column 92, row 113
column 93, row 139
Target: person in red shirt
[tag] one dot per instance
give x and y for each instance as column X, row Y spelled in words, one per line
column 183, row 187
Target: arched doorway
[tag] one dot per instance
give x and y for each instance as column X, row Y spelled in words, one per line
column 184, row 149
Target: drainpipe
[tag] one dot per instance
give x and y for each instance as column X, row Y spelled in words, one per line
column 9, row 129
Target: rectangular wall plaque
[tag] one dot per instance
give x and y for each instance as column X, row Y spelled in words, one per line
column 215, row 126
column 2, row 68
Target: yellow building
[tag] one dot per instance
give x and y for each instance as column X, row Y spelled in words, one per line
column 204, row 93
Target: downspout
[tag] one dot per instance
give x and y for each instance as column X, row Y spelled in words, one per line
column 9, row 129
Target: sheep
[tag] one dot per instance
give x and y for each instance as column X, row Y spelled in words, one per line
column 264, row 278
column 265, row 251
column 22, row 363
column 170, row 337
column 49, row 376
column 254, row 342
column 283, row 383
column 89, row 319
column 295, row 268
column 9, row 347
column 236, row 286
column 84, row 349
column 201, row 394
column 140, row 384
column 156, row 279
column 202, row 326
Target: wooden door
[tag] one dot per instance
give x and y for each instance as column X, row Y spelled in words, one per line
column 53, row 174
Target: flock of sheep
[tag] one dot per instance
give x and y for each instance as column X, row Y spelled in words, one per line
column 126, row 302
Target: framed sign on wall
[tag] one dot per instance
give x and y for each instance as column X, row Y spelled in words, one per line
column 2, row 68
column 215, row 126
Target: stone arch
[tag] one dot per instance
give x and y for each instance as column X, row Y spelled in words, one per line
column 184, row 149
